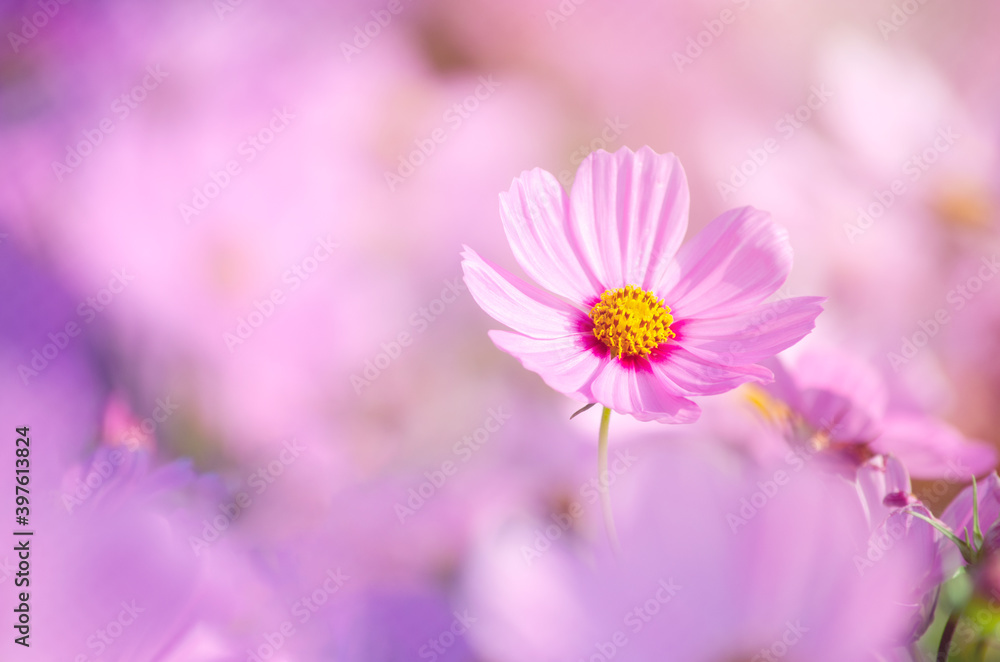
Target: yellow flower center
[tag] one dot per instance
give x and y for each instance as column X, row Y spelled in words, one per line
column 631, row 321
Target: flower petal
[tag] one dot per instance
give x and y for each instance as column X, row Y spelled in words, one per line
column 511, row 301
column 567, row 364
column 877, row 478
column 535, row 213
column 739, row 260
column 932, row 449
column 784, row 387
column 833, row 380
column 629, row 214
column 752, row 336
column 838, row 416
column 696, row 375
column 633, row 388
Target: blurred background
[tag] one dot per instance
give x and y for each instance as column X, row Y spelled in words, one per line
column 259, row 393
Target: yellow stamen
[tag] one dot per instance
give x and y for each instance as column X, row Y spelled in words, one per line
column 631, row 322
column 772, row 409
column 965, row 205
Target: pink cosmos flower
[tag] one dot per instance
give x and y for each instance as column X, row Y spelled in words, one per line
column 636, row 321
column 834, row 402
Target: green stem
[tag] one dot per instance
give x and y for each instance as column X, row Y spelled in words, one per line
column 603, row 478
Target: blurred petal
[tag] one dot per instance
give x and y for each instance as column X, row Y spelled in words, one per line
column 844, row 374
column 876, row 479
column 932, row 449
column 784, row 387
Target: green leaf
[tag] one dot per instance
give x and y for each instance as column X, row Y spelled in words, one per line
column 977, row 533
column 968, row 552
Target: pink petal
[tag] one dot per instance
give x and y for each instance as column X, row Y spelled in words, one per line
column 633, row 388
column 699, row 376
column 932, row 449
column 838, row 416
column 630, row 214
column 844, row 374
column 751, row 336
column 511, row 301
column 567, row 364
column 739, row 260
column 535, row 214
column 877, row 478
column 784, row 387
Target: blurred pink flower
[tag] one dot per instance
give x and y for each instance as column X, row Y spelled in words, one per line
column 840, row 405
column 721, row 560
column 120, row 541
column 890, row 505
column 665, row 321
